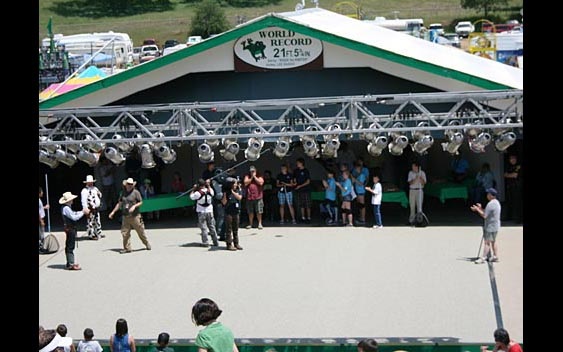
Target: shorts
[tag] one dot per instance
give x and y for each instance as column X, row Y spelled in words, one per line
column 347, row 198
column 255, row 206
column 490, row 236
column 285, row 198
column 304, row 199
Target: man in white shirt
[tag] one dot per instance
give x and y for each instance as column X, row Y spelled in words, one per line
column 416, row 180
column 91, row 198
column 203, row 194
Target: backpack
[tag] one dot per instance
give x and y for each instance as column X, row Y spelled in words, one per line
column 50, row 244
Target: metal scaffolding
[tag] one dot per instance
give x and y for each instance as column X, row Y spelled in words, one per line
column 319, row 119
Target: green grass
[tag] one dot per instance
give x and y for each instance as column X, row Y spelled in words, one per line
column 174, row 24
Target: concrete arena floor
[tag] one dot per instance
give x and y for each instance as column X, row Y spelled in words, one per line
column 298, row 282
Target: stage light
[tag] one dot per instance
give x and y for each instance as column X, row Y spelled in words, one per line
column 212, row 142
column 231, row 150
column 376, row 146
column 310, row 147
column 473, row 131
column 125, row 147
column 114, row 155
column 147, row 159
column 167, row 154
column 51, row 148
column 282, row 148
column 423, row 139
column 370, row 136
column 65, row 158
column 454, row 141
column 330, row 148
column 252, row 152
column 205, row 153
column 87, row 157
column 74, row 148
column 478, row 144
column 94, row 147
column 156, row 143
column 504, row 141
column 47, row 159
column 398, row 141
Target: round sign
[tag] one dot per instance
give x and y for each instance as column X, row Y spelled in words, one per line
column 277, row 48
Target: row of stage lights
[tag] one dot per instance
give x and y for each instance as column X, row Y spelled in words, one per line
column 478, row 139
column 90, row 152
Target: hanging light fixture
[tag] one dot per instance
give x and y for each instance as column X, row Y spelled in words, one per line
column 167, row 154
column 423, row 139
column 48, row 159
column 370, row 136
column 205, row 153
column 310, row 147
column 212, row 142
column 376, row 146
column 231, row 147
column 114, row 155
column 125, row 147
column 398, row 141
column 65, row 158
column 478, row 144
column 252, row 152
column 147, row 159
column 74, row 148
column 92, row 145
column 504, row 141
column 51, row 148
column 283, row 144
column 158, row 142
column 88, row 157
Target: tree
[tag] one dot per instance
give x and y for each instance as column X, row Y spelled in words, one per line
column 484, row 6
column 209, row 18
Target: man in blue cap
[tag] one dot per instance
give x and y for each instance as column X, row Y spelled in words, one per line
column 491, row 214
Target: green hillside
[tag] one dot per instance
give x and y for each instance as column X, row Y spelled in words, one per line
column 174, row 24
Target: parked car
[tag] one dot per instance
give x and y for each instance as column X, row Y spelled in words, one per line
column 137, row 55
column 149, row 41
column 437, row 27
column 149, row 52
column 194, row 39
column 453, row 38
column 170, row 43
column 463, row 29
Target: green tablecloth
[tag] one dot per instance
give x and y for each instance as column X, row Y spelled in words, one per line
column 446, row 190
column 165, row 201
column 388, row 197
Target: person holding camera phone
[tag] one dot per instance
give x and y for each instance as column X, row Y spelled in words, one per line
column 231, row 201
column 254, row 184
column 285, row 185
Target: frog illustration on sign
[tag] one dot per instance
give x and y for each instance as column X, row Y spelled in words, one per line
column 255, row 49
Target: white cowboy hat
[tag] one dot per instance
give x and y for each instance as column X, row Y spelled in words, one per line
column 89, row 178
column 129, row 181
column 67, row 197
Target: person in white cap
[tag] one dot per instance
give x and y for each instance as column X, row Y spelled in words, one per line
column 70, row 219
column 91, row 198
column 129, row 202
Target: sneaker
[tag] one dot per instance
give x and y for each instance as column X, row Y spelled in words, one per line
column 375, row 227
column 206, row 244
column 248, row 227
column 123, row 251
column 281, row 222
column 238, row 247
column 379, row 226
column 260, row 227
column 149, row 247
column 493, row 259
column 349, row 225
column 74, row 267
column 231, row 247
column 215, row 244
column 293, row 222
column 480, row 261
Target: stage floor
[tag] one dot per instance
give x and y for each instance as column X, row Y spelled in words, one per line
column 291, row 282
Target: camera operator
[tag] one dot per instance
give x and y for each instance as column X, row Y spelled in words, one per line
column 231, row 202
column 203, row 194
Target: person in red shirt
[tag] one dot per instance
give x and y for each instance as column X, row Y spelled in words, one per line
column 503, row 343
column 254, row 184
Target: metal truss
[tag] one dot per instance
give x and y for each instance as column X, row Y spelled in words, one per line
column 348, row 117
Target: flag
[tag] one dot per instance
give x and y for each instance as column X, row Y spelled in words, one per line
column 50, row 26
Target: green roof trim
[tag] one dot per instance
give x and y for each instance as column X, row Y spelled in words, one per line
column 270, row 20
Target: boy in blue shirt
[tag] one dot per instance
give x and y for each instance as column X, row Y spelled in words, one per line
column 330, row 198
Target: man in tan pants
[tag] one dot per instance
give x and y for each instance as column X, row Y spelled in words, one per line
column 129, row 202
